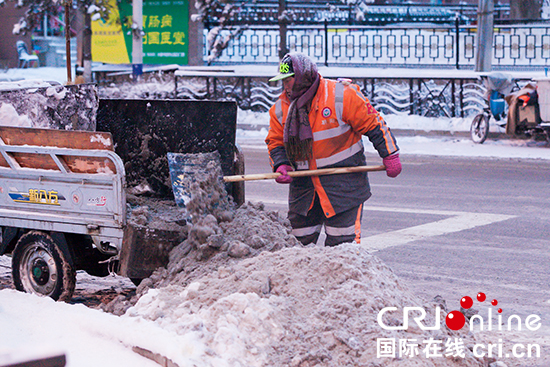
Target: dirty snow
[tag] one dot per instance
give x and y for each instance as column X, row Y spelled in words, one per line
column 10, row 117
column 296, row 306
column 52, row 92
column 23, row 84
column 34, row 103
column 293, row 307
column 198, row 186
column 155, row 86
column 99, row 138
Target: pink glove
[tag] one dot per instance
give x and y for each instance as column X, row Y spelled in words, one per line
column 284, row 178
column 393, row 165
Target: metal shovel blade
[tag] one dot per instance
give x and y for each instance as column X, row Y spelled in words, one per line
column 195, row 177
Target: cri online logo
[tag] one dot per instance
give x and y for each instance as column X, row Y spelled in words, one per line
column 456, row 320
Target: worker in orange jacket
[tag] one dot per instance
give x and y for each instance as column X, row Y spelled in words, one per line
column 319, row 123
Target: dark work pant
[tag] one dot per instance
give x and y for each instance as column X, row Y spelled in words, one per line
column 341, row 228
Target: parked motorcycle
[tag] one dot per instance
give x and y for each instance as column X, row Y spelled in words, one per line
column 498, row 85
column 518, row 112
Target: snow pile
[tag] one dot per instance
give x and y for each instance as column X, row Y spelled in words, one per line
column 26, row 83
column 153, row 86
column 10, row 117
column 209, row 243
column 253, row 119
column 215, row 242
column 5, row 272
column 211, row 230
column 297, row 307
column 233, row 331
column 246, row 292
column 34, row 103
column 155, row 214
column 89, row 338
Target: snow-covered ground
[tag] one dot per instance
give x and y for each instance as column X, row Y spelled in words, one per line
column 45, row 73
column 419, row 135
column 32, row 325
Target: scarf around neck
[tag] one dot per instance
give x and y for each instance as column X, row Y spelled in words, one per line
column 298, row 136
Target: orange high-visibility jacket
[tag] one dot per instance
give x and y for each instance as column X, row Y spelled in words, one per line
column 340, row 114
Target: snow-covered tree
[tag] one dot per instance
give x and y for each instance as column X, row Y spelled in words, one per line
column 221, row 34
column 38, row 9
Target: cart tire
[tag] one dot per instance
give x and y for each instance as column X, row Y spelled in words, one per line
column 39, row 267
column 480, row 128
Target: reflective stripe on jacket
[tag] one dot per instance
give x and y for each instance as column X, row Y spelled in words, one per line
column 339, row 116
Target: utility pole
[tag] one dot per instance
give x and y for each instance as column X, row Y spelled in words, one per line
column 485, row 21
column 283, row 21
column 137, row 37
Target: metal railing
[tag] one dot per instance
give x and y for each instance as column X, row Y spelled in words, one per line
column 337, row 13
column 451, row 95
column 526, row 46
column 439, row 97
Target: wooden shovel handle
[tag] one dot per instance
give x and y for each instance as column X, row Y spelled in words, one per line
column 305, row 173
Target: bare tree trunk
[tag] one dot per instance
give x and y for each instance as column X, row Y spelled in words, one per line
column 525, row 9
column 87, row 48
column 68, row 42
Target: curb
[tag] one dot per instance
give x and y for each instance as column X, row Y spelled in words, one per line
column 434, row 133
column 405, row 132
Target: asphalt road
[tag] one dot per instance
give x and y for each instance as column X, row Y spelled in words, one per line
column 454, row 227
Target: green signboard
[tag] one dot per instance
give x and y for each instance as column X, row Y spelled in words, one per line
column 166, row 28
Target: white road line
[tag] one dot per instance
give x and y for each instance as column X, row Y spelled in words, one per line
column 414, row 211
column 457, row 221
column 267, row 201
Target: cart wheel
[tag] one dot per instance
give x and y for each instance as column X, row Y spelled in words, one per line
column 480, row 128
column 39, row 267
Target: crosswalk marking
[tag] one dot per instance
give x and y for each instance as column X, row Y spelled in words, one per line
column 457, row 221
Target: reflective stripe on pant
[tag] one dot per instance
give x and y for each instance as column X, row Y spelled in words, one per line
column 342, row 227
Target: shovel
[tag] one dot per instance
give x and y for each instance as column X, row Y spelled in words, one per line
column 186, row 170
column 304, row 173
